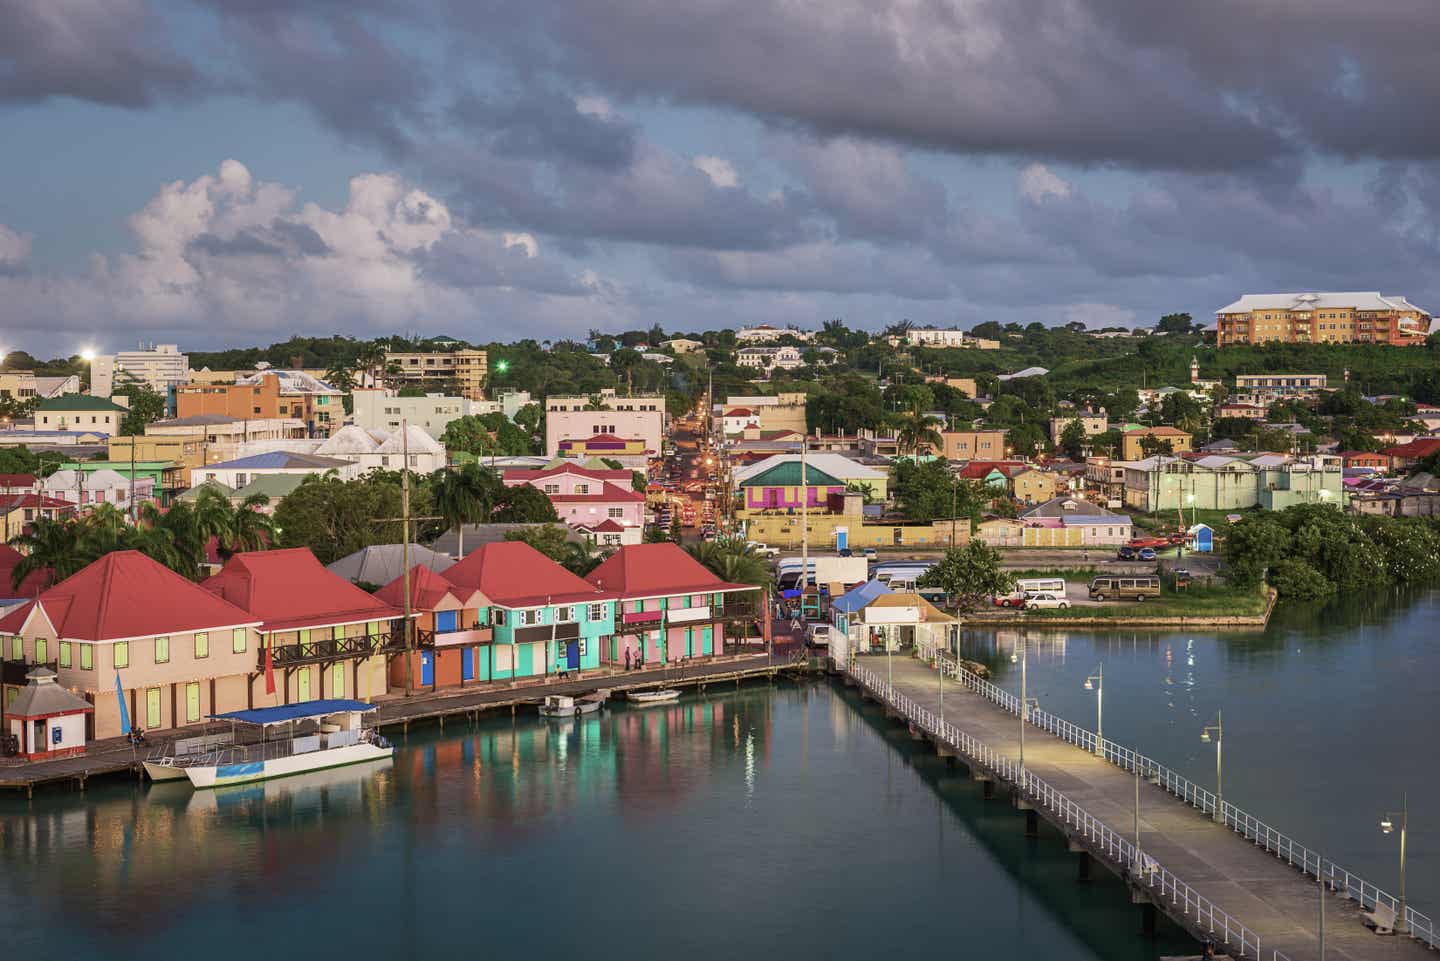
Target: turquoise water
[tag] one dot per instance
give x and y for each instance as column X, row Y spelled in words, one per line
column 740, row 823
column 744, row 824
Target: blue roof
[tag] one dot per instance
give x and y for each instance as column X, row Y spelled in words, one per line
column 858, row 597
column 294, row 712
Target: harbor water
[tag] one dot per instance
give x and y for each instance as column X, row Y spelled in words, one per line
column 752, row 822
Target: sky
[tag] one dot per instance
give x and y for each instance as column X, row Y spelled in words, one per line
column 231, row 172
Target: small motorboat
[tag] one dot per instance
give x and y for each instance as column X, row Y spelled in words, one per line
column 662, row 696
column 562, row 705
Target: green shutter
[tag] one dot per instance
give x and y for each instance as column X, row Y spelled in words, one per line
column 121, row 654
column 42, row 648
column 64, row 653
column 192, row 702
column 202, row 644
column 237, row 643
column 17, row 648
column 87, row 656
column 152, row 708
column 162, row 650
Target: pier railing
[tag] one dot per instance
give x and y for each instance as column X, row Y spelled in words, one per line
column 1287, row 849
column 1142, row 870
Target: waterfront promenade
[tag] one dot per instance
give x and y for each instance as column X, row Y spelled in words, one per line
column 1234, row 883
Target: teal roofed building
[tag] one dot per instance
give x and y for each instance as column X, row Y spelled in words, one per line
column 781, row 487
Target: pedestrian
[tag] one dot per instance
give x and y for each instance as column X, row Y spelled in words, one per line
column 627, row 658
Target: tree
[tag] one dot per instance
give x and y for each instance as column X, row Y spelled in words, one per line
column 931, row 491
column 917, row 433
column 465, row 495
column 970, row 575
column 1027, row 440
column 146, row 407
column 1073, row 438
column 1150, row 445
column 555, row 542
column 1254, row 545
column 524, row 504
column 335, row 518
column 733, row 561
column 1297, row 580
column 1174, row 324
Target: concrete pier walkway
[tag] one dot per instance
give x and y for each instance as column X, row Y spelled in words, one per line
column 1204, row 875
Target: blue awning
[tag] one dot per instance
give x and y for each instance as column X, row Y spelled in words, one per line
column 859, row 597
column 294, row 712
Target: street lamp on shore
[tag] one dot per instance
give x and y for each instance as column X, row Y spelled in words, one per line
column 1402, row 924
column 1019, row 655
column 1096, row 682
column 1218, row 729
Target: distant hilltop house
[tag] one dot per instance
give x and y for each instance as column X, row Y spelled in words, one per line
column 1322, row 318
column 765, row 334
column 937, row 337
column 768, row 358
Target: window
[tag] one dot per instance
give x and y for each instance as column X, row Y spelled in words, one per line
column 500, row 616
column 64, row 653
column 582, row 488
column 237, row 641
column 162, row 650
column 597, row 612
column 616, row 512
column 531, row 617
column 87, row 656
column 564, row 614
column 42, row 650
column 121, row 654
column 17, row 649
column 552, row 489
column 202, row 644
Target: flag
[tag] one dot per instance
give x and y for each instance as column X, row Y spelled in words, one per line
column 124, row 711
column 269, row 669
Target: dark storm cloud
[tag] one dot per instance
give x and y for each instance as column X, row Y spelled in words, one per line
column 538, row 123
column 471, row 261
column 300, row 238
column 111, row 52
column 243, row 244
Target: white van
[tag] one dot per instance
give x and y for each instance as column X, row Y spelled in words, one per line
column 1026, row 587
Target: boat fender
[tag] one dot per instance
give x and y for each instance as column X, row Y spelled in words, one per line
column 577, row 710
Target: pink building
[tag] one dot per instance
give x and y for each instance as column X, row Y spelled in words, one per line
column 582, row 418
column 586, row 498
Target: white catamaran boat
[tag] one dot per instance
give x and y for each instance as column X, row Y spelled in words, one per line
column 663, row 696
column 318, row 734
column 560, row 705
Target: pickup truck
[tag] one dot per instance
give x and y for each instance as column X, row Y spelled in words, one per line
column 764, row 550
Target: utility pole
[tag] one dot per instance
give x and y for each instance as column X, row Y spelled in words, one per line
column 405, row 545
column 804, row 527
column 132, row 480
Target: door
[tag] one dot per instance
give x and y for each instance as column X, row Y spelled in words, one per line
column 572, row 655
column 707, row 640
column 152, row 708
column 445, row 621
column 192, row 702
column 467, row 663
column 427, row 668
column 337, row 680
column 689, row 642
column 842, row 539
column 302, row 685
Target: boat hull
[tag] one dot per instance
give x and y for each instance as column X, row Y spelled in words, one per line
column 209, row 776
column 163, row 772
column 579, row 708
column 643, row 698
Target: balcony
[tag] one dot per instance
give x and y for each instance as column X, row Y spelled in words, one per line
column 341, row 649
column 688, row 615
column 478, row 635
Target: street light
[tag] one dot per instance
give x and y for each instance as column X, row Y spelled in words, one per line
column 1402, row 924
column 1024, row 704
column 1219, row 729
column 1096, row 682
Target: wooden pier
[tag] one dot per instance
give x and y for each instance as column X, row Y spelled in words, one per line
column 1248, row 894
column 115, row 756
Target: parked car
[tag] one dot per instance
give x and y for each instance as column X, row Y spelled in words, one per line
column 846, row 552
column 1046, row 600
column 1127, row 553
column 764, row 550
column 871, row 553
column 1146, row 554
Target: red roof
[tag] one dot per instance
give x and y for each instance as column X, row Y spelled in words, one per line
column 123, row 595
column 976, row 469
column 653, row 570
column 601, row 440
column 31, row 586
column 740, row 412
column 427, row 589
column 526, row 475
column 290, row 589
column 1416, row 449
column 514, row 574
column 10, row 502
column 17, row 480
column 609, row 492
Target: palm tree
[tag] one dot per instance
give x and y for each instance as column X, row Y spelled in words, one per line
column 580, row 557
column 251, row 529
column 733, row 560
column 917, row 432
column 48, row 544
column 865, row 489
column 465, row 495
column 212, row 516
column 340, row 375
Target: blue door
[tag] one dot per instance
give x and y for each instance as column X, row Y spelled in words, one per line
column 427, row 668
column 467, row 663
column 572, row 655
column 842, row 540
column 445, row 621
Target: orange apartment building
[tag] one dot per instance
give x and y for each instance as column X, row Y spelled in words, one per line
column 1335, row 318
column 268, row 395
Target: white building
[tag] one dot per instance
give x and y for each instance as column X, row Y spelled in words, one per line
column 159, row 367
column 88, row 488
column 381, row 409
column 237, row 473
column 385, row 450
column 768, row 358
column 934, row 337
column 682, row 345
column 765, row 334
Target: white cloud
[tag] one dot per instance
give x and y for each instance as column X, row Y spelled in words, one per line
column 594, row 106
column 1037, row 182
column 525, row 242
column 720, row 171
column 14, row 247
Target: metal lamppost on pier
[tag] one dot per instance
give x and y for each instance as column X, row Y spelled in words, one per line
column 1096, row 682
column 1024, row 704
column 1219, row 730
column 1402, row 924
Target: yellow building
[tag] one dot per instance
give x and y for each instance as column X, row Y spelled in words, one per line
column 1322, row 318
column 1033, row 486
column 973, row 444
column 1132, row 441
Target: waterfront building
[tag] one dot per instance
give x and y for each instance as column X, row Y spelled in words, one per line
column 671, row 605
column 46, row 720
column 326, row 637
column 468, row 368
column 973, row 444
column 544, row 618
column 1227, row 483
column 1083, row 524
column 454, row 623
column 641, row 417
column 1322, row 318
column 179, row 651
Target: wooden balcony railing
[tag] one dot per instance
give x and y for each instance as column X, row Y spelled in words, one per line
column 329, row 650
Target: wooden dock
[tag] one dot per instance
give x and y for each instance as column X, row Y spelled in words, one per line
column 114, row 756
column 1240, row 892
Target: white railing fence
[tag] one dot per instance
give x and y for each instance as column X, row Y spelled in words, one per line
column 1246, row 825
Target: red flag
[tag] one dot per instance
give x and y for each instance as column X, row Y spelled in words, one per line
column 269, row 670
